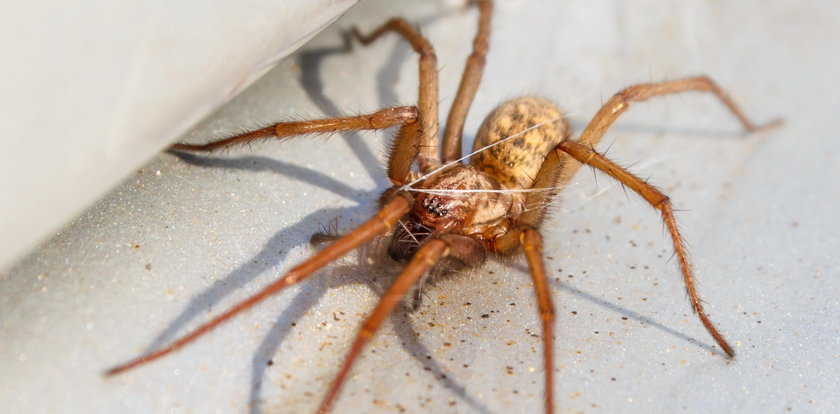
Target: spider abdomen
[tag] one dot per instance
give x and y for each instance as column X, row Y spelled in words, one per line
column 515, row 162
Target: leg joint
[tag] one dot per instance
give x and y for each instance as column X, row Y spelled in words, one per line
column 547, row 314
column 393, row 116
column 663, row 202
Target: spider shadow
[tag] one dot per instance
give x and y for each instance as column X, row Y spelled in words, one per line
column 630, row 314
column 311, row 293
column 388, row 76
column 273, row 253
column 310, row 63
column 255, row 163
column 275, row 250
column 269, row 257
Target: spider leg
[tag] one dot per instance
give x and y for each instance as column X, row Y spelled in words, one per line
column 452, row 134
column 427, row 97
column 661, row 202
column 528, row 237
column 401, row 156
column 619, row 103
column 379, row 224
column 425, row 258
column 558, row 168
column 531, row 242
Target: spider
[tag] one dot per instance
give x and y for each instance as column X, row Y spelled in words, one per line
column 447, row 212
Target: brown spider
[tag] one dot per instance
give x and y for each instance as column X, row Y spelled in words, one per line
column 459, row 212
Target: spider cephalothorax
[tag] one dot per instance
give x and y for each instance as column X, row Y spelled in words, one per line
column 445, row 210
column 462, row 200
column 480, row 199
column 452, row 201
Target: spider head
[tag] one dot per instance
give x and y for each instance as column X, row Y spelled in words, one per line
column 440, row 212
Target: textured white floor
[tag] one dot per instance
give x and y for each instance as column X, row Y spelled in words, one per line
column 183, row 238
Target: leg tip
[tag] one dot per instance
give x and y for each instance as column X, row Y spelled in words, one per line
column 773, row 124
column 730, row 353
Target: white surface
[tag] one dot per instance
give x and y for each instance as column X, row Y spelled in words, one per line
column 183, row 239
column 91, row 91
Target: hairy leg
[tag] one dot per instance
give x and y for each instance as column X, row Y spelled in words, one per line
column 558, row 167
column 621, row 101
column 586, row 155
column 453, row 133
column 427, row 98
column 531, row 242
column 401, row 156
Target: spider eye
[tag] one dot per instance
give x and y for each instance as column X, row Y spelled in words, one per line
column 435, row 206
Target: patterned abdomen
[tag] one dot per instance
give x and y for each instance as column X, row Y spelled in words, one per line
column 515, row 162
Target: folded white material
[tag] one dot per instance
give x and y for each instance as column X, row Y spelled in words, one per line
column 89, row 93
